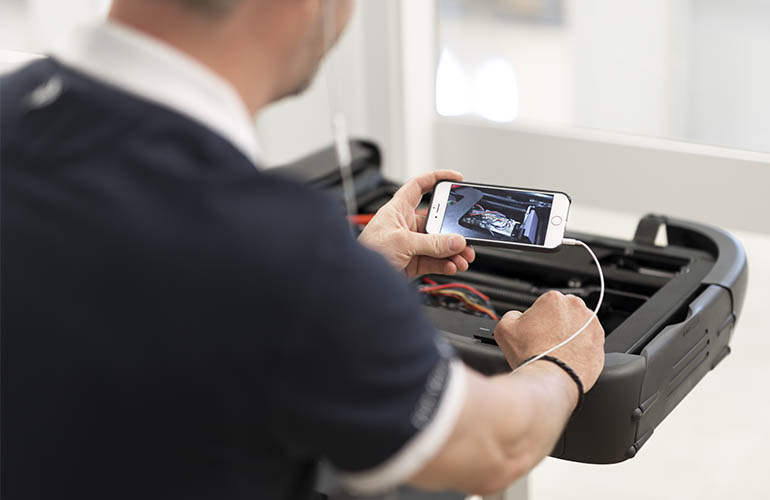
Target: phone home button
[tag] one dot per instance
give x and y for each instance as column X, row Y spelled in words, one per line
column 556, row 221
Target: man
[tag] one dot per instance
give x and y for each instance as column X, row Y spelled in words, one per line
column 180, row 324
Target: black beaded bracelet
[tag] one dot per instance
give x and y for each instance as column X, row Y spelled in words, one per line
column 572, row 374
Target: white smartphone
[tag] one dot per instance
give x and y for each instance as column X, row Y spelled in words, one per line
column 499, row 216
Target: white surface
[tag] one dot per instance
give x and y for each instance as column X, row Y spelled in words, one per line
column 727, row 188
column 714, row 445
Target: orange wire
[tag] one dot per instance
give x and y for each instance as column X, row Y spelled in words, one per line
column 467, row 301
column 453, row 285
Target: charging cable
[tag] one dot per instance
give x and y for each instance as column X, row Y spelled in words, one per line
column 571, row 242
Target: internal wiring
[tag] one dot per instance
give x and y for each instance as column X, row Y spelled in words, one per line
column 492, row 220
column 468, row 302
column 471, row 298
column 454, row 285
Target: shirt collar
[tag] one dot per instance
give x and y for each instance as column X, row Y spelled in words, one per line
column 155, row 71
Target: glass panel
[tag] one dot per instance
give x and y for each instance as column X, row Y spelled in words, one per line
column 693, row 70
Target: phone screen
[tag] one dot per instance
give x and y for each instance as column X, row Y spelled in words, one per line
column 502, row 215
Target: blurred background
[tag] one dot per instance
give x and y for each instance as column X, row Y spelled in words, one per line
column 685, row 70
column 630, row 106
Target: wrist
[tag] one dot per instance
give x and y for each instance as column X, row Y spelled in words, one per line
column 556, row 374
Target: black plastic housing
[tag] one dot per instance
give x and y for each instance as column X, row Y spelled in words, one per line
column 669, row 311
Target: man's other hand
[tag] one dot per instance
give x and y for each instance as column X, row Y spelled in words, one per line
column 552, row 319
column 397, row 233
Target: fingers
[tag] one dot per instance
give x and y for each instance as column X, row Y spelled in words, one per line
column 460, row 262
column 414, row 189
column 549, row 297
column 513, row 315
column 509, row 319
column 428, row 265
column 449, row 267
column 506, row 329
column 438, row 246
column 440, row 254
column 469, row 254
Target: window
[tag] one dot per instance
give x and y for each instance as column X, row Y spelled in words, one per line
column 691, row 70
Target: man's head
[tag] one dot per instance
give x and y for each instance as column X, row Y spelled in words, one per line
column 268, row 49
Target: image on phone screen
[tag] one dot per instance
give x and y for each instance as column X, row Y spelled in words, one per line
column 498, row 214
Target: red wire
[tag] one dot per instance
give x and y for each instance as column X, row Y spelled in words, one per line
column 364, row 219
column 430, row 281
column 361, row 220
column 464, row 298
column 453, row 285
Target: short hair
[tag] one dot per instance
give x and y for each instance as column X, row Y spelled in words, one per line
column 217, row 8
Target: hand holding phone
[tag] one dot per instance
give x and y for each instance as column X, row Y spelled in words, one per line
column 499, row 216
column 396, row 232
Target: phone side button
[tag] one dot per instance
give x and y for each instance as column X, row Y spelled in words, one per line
column 556, row 221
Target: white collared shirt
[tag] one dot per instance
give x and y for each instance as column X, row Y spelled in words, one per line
column 155, row 71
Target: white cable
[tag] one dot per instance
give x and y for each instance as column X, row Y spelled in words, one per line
column 338, row 121
column 344, row 161
column 571, row 242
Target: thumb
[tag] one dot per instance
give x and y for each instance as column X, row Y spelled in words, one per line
column 439, row 246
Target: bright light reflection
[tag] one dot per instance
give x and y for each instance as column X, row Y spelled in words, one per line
column 492, row 93
column 497, row 91
column 453, row 92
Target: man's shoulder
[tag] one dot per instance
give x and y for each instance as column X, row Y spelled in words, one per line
column 147, row 160
column 49, row 108
column 16, row 88
column 47, row 85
